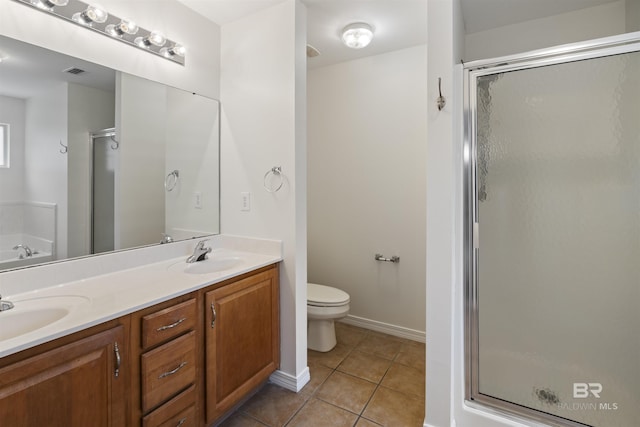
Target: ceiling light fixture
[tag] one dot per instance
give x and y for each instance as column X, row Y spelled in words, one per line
column 97, row 19
column 357, row 35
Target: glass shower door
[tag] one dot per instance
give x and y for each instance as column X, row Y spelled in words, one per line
column 554, row 211
column 103, row 191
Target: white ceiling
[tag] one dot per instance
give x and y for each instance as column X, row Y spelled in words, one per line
column 397, row 23
column 29, row 69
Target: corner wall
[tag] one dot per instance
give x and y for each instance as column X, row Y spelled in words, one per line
column 585, row 24
column 263, row 125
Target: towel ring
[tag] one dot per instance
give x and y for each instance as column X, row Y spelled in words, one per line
column 171, row 180
column 275, row 171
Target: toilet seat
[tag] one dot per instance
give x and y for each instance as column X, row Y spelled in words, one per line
column 325, row 296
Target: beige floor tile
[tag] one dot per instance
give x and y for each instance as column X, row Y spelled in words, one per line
column 346, row 392
column 363, row 422
column 241, row 420
column 412, row 354
column 318, row 374
column 381, row 345
column 330, row 359
column 316, row 413
column 391, row 408
column 274, row 405
column 349, row 335
column 364, row 365
column 404, row 379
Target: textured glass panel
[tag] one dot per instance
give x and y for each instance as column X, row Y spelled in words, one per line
column 558, row 178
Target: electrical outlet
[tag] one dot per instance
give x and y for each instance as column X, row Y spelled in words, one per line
column 197, row 200
column 245, row 205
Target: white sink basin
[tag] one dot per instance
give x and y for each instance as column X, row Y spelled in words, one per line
column 213, row 264
column 31, row 314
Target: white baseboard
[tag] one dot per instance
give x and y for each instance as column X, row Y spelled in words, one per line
column 386, row 328
column 290, row 382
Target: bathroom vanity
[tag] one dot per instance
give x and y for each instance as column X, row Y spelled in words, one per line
column 186, row 356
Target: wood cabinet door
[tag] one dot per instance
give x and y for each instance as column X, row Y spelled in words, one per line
column 79, row 384
column 242, row 339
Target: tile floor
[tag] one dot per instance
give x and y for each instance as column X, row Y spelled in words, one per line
column 369, row 379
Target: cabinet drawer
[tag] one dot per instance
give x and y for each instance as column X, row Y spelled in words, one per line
column 168, row 323
column 167, row 370
column 179, row 411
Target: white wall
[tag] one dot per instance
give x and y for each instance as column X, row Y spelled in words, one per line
column 633, row 15
column 444, row 25
column 263, row 125
column 367, row 188
column 192, row 146
column 585, row 24
column 12, row 112
column 90, row 110
column 141, row 108
column 46, row 127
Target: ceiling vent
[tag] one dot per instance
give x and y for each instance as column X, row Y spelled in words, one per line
column 74, row 70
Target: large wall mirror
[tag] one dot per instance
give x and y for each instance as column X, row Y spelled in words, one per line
column 95, row 160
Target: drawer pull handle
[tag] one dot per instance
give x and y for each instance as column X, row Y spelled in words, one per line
column 213, row 315
column 182, row 421
column 166, row 374
column 171, row 326
column 116, row 350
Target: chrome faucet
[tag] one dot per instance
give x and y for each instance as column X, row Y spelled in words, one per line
column 27, row 251
column 200, row 252
column 5, row 305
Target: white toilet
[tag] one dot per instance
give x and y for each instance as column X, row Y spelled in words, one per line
column 324, row 305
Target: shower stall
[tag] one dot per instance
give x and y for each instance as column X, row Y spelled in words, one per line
column 552, row 234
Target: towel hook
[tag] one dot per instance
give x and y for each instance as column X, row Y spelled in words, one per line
column 115, row 144
column 441, row 101
column 64, row 148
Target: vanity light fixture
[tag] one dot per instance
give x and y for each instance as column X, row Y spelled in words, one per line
column 357, row 35
column 97, row 18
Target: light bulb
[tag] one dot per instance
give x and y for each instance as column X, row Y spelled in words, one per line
column 177, row 49
column 154, row 38
column 91, row 14
column 49, row 4
column 124, row 27
column 357, row 36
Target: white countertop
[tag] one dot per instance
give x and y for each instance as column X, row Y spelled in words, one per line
column 109, row 296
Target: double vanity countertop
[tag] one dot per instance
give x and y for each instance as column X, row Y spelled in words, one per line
column 80, row 304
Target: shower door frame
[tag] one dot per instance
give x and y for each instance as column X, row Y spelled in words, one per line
column 103, row 133
column 608, row 46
